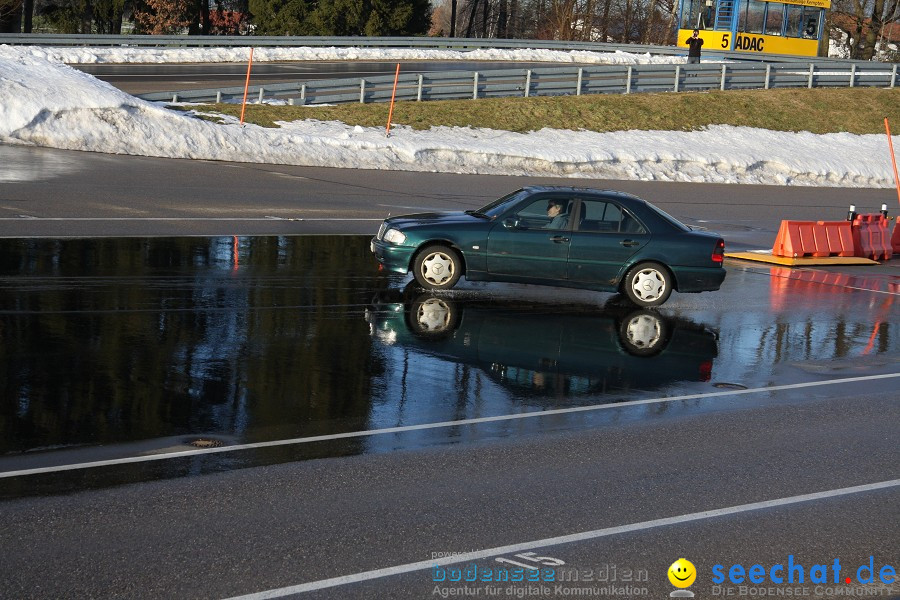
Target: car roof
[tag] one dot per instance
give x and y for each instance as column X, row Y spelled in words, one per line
column 581, row 190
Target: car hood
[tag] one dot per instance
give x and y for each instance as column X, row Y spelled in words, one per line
column 432, row 218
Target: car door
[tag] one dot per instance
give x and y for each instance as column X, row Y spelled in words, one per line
column 606, row 236
column 523, row 246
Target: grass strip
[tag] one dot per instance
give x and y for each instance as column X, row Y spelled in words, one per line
column 854, row 110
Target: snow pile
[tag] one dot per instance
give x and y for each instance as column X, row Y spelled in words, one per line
column 266, row 54
column 46, row 103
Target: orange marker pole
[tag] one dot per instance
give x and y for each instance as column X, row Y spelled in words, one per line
column 387, row 131
column 246, row 86
column 893, row 158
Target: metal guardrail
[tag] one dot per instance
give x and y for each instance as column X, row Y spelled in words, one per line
column 557, row 81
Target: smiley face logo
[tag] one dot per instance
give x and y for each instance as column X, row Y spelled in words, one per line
column 682, row 573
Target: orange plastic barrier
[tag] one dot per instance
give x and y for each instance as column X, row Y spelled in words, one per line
column 895, row 240
column 814, row 238
column 871, row 237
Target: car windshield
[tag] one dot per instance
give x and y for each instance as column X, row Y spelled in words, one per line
column 675, row 222
column 498, row 207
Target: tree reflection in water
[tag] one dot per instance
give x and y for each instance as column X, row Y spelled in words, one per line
column 111, row 340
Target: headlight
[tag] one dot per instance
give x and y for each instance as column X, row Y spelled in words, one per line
column 394, row 236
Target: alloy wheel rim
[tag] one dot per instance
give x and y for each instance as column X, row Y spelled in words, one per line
column 437, row 268
column 433, row 315
column 648, row 285
column 644, row 331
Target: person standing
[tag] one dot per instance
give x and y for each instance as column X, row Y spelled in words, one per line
column 694, row 42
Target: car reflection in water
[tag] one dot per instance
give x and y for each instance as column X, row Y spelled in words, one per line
column 549, row 349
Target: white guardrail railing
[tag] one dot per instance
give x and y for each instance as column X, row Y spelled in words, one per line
column 740, row 71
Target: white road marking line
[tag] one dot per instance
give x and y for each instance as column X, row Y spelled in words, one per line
column 563, row 539
column 850, row 287
column 438, row 425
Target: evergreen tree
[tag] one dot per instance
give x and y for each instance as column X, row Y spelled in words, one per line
column 280, row 17
column 339, row 17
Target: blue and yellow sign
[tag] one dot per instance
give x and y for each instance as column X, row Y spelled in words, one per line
column 751, row 42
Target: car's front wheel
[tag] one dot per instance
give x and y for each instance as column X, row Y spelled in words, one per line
column 437, row 268
column 433, row 317
column 647, row 284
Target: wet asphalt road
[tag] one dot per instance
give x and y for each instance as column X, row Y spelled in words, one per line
column 128, row 348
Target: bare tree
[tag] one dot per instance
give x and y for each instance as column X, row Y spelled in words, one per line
column 10, row 16
column 163, row 17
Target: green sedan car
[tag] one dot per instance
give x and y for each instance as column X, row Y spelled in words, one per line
column 561, row 236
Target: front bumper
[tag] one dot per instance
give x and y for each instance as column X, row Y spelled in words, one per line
column 394, row 258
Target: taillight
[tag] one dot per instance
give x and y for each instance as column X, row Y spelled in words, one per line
column 718, row 255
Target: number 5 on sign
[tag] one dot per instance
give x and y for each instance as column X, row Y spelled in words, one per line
column 725, row 40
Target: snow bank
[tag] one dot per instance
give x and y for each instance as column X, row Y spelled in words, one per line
column 43, row 102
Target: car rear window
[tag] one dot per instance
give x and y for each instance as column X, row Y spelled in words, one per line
column 666, row 216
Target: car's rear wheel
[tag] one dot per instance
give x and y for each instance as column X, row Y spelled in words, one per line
column 643, row 333
column 647, row 284
column 437, row 267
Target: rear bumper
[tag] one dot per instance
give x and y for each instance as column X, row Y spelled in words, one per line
column 394, row 258
column 698, row 279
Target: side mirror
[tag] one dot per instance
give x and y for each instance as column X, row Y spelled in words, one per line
column 511, row 223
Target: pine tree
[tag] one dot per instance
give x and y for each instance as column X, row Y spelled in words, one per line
column 280, row 17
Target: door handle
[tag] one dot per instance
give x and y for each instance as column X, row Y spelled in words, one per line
column 629, row 243
column 559, row 239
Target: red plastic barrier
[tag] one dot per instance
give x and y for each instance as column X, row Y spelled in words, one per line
column 871, row 237
column 895, row 240
column 814, row 238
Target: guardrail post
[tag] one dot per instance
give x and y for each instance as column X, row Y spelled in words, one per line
column 475, row 87
column 852, row 75
column 362, row 91
column 628, row 81
column 290, row 101
column 812, row 69
column 768, row 75
column 261, row 92
column 722, row 84
column 303, row 93
column 527, row 82
column 580, row 79
column 174, row 98
column 419, row 88
column 894, row 81
column 677, row 76
column 219, row 97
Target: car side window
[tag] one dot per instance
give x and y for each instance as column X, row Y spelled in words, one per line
column 600, row 216
column 545, row 213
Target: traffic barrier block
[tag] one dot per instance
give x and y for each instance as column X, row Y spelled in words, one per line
column 871, row 237
column 814, row 238
column 895, row 240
